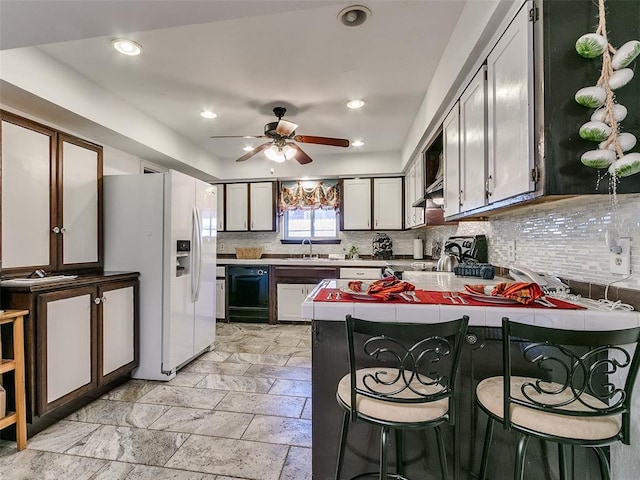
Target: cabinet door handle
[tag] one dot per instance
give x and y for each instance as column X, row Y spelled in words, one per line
column 62, row 230
column 489, row 186
column 55, row 229
column 97, row 300
column 104, row 299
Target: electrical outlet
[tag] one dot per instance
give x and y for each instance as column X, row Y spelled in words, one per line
column 511, row 251
column 621, row 262
column 267, row 247
column 221, row 247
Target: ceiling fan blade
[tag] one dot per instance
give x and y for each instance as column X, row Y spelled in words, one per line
column 250, row 154
column 301, row 156
column 237, row 136
column 335, row 142
column 285, row 128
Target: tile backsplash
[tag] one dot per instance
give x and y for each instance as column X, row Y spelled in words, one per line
column 562, row 237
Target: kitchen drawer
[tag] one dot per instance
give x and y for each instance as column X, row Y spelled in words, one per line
column 373, row 273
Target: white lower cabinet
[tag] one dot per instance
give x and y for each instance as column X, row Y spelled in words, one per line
column 70, row 325
column 220, row 299
column 290, row 298
column 368, row 273
column 118, row 328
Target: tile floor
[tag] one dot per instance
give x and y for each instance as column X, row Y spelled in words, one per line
column 241, row 411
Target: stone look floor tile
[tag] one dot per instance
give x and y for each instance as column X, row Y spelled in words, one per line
column 186, row 379
column 304, row 362
column 129, row 471
column 183, row 397
column 290, row 373
column 61, row 436
column 298, row 464
column 184, row 432
column 236, row 458
column 130, row 391
column 203, row 422
column 281, row 350
column 287, row 431
column 295, row 388
column 241, row 348
column 236, row 383
column 256, row 359
column 280, row 341
column 306, row 412
column 214, row 356
column 227, row 368
column 119, row 413
column 262, row 404
column 135, row 445
column 34, row 465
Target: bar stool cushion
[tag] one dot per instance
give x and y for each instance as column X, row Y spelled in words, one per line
column 388, row 410
column 490, row 394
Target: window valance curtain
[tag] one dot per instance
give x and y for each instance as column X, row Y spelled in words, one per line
column 309, row 195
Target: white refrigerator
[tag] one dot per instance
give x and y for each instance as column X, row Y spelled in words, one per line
column 163, row 225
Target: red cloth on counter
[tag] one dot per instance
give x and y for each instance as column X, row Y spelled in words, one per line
column 384, row 288
column 432, row 297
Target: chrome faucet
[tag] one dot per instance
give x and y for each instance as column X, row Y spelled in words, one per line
column 310, row 247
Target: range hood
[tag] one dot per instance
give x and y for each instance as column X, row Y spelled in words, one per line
column 435, row 190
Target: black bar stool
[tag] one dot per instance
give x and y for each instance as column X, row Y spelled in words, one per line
column 581, row 397
column 401, row 376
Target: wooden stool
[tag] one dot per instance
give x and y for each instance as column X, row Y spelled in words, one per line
column 16, row 364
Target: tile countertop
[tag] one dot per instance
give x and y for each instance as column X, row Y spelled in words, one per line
column 489, row 316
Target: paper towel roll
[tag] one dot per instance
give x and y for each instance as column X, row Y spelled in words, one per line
column 417, row 249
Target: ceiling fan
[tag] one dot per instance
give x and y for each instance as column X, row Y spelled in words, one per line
column 281, row 146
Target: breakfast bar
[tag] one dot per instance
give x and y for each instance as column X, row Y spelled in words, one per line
column 481, row 358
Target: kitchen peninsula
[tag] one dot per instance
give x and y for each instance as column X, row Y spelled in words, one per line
column 481, row 358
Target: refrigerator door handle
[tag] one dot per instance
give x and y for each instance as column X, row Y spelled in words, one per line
column 199, row 257
column 194, row 252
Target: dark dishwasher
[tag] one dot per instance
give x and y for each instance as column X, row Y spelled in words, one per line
column 248, row 290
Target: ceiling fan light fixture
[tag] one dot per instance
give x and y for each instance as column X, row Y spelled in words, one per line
column 357, row 143
column 354, row 104
column 126, row 47
column 280, row 154
column 353, row 16
column 208, row 114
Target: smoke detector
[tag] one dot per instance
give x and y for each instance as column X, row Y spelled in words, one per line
column 354, row 16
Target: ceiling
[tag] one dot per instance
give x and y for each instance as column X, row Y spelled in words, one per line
column 242, row 58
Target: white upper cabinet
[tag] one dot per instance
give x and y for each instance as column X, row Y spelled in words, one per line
column 262, row 205
column 414, row 191
column 78, row 218
column 26, row 206
column 510, row 111
column 242, row 216
column 237, row 207
column 356, row 204
column 51, row 198
column 451, row 158
column 387, row 203
column 473, row 143
column 220, row 208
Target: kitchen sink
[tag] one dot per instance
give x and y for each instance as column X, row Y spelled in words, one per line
column 25, row 282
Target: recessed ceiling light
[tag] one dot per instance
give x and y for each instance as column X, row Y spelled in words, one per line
column 248, row 148
column 356, row 104
column 353, row 16
column 208, row 114
column 357, row 143
column 126, row 47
